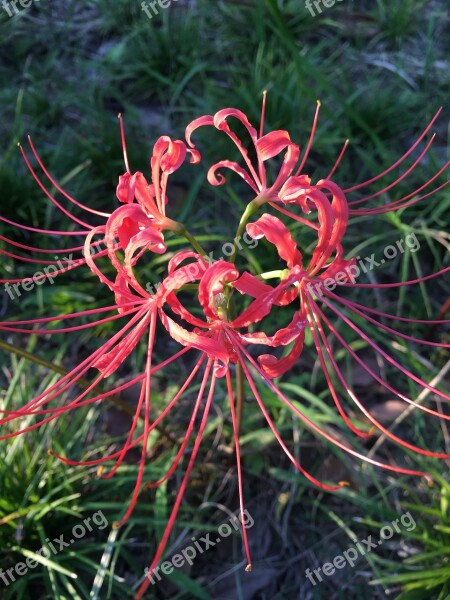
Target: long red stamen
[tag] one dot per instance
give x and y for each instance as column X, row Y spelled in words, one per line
column 383, row 383
column 124, row 144
column 381, row 352
column 70, row 377
column 292, row 215
column 60, row 189
column 47, row 193
column 311, row 139
column 385, row 327
column 63, row 330
column 355, row 399
column 41, row 250
column 239, row 469
column 302, row 470
column 155, row 423
column 38, row 261
column 323, row 433
column 399, row 161
column 46, row 231
column 399, row 204
column 338, row 160
column 77, row 404
column 147, row 395
column 161, row 547
column 82, row 313
column 263, row 113
column 351, row 303
column 186, row 437
column 399, row 179
column 355, row 430
column 74, row 265
column 397, row 283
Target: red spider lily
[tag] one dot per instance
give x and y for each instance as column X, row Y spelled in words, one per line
column 221, row 343
column 150, row 211
column 133, row 228
column 138, row 225
column 308, row 288
column 293, row 188
column 141, row 310
column 222, row 339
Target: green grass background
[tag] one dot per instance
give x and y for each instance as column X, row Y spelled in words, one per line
column 381, row 70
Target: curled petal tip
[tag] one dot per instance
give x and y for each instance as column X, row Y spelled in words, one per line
column 248, row 568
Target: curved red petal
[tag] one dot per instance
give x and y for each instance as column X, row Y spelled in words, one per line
column 211, row 285
column 289, row 161
column 181, row 256
column 195, row 124
column 282, row 337
column 204, row 342
column 149, row 239
column 251, row 285
column 168, row 154
column 217, row 179
column 125, row 188
column 294, row 187
column 276, row 232
column 274, row 367
column 272, row 144
column 222, row 115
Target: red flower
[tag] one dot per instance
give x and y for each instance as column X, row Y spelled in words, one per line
column 132, row 229
column 265, row 146
column 168, row 156
column 293, row 188
column 311, row 285
column 222, row 337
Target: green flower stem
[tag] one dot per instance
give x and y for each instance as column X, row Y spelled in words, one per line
column 251, row 208
column 188, row 287
column 271, row 274
column 28, row 356
column 181, row 230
